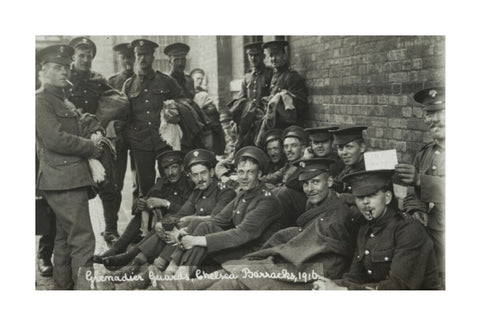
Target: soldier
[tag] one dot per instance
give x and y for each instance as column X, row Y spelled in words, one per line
column 322, row 242
column 290, row 193
column 321, row 146
column 85, row 92
column 427, row 174
column 287, row 85
column 350, row 146
column 147, row 90
column 393, row 250
column 165, row 198
column 273, row 147
column 126, row 57
column 249, row 108
column 242, row 226
column 64, row 175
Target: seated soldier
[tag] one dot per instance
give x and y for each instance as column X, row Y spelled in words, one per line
column 393, row 249
column 165, row 198
column 322, row 242
column 273, row 146
column 321, row 146
column 208, row 198
column 241, row 227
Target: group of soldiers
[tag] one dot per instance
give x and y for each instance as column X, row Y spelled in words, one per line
column 284, row 200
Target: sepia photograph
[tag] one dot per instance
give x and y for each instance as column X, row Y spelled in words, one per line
column 240, row 162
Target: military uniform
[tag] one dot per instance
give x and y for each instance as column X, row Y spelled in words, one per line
column 323, row 134
column 393, row 252
column 147, row 94
column 176, row 194
column 284, row 78
column 248, row 108
column 117, row 80
column 64, row 174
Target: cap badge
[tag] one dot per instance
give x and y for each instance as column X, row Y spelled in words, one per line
column 61, row 49
column 141, row 43
column 432, row 93
column 196, row 153
column 302, row 164
column 84, row 40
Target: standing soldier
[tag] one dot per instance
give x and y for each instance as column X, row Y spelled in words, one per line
column 288, row 93
column 127, row 59
column 427, row 174
column 248, row 109
column 64, row 174
column 85, row 92
column 147, row 90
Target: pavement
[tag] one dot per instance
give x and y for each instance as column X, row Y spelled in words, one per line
column 98, row 224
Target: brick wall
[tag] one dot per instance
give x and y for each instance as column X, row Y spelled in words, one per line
column 369, row 80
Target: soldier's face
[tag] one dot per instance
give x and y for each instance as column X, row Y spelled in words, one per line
column 178, row 63
column 201, row 176
column 351, row 153
column 248, row 174
column 274, row 150
column 144, row 58
column 435, row 121
column 82, row 59
column 293, row 148
column 316, row 188
column 322, row 148
column 173, row 172
column 197, row 79
column 55, row 74
column 374, row 205
column 255, row 59
column 127, row 61
column 276, row 57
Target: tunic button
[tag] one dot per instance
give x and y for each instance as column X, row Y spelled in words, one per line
column 64, row 161
column 243, row 200
column 174, row 193
column 148, row 112
column 300, row 229
column 369, row 271
column 201, row 209
column 437, row 152
column 434, row 167
column 367, row 252
column 86, row 102
column 66, row 114
column 149, row 123
column 386, row 258
column 372, row 235
column 204, row 197
column 146, row 100
column 84, row 91
column 146, row 90
column 321, row 219
column 238, row 212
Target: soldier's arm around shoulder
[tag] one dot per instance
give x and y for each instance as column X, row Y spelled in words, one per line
column 54, row 136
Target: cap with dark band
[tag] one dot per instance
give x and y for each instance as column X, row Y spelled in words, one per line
column 61, row 54
column 275, row 45
column 84, row 42
column 199, row 156
column 347, row 134
column 295, row 131
column 368, row 182
column 176, row 49
column 144, row 44
column 310, row 168
column 321, row 133
column 433, row 99
column 253, row 48
column 125, row 49
column 255, row 153
column 170, row 157
column 271, row 135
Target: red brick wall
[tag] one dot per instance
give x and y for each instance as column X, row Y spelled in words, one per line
column 369, row 80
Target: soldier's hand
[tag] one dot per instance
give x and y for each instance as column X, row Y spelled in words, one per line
column 98, row 151
column 326, row 284
column 155, row 202
column 178, row 236
column 421, row 216
column 96, row 138
column 141, row 204
column 170, row 236
column 407, row 174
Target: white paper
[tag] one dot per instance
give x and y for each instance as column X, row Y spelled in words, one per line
column 385, row 159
